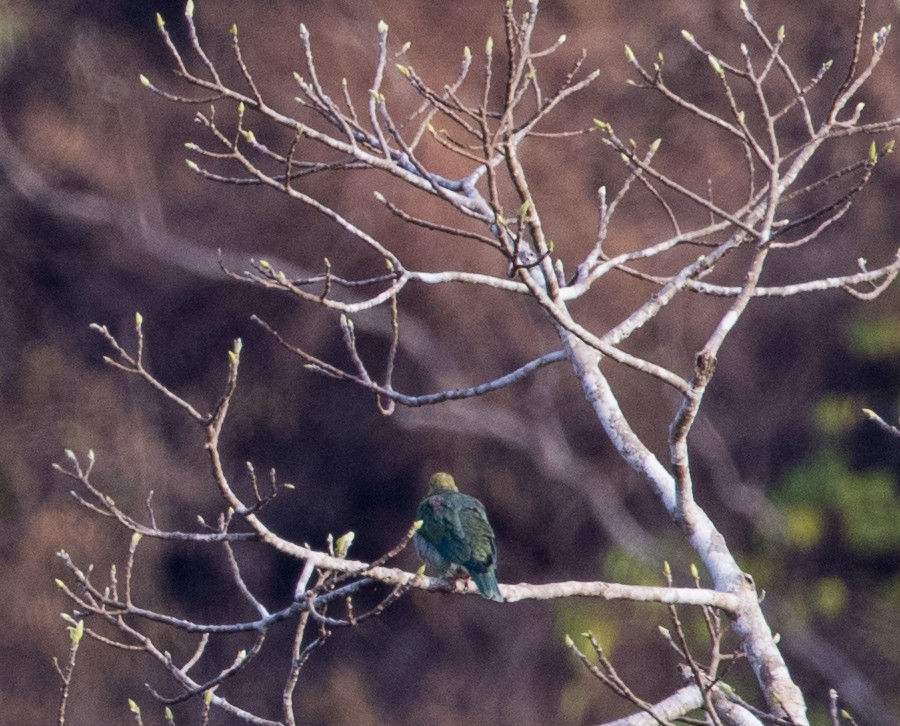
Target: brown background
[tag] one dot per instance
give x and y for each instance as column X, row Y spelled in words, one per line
column 100, row 218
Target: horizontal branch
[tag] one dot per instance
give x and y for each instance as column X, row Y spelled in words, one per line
column 615, row 591
column 319, row 366
column 883, row 276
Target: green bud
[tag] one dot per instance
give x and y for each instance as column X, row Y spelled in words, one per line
column 467, row 53
column 303, row 31
column 234, row 30
column 569, row 642
column 76, row 633
column 192, row 165
column 403, row 69
column 417, row 525
column 379, row 197
column 208, row 697
column 138, row 319
column 264, row 264
column 160, row 23
column 716, row 66
column 695, row 573
column 62, row 586
column 873, row 153
column 667, row 568
column 689, row 37
column 132, row 706
column 343, row 543
column 167, row 714
column 888, row 147
column 145, row 82
column 135, row 538
column 189, row 9
column 382, row 26
column 232, row 358
column 629, row 54
column 655, row 145
column 781, row 33
column 489, row 45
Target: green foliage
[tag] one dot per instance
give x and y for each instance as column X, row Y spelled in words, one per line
column 836, row 414
column 875, row 338
column 574, row 617
column 870, row 511
column 864, row 502
column 617, row 565
column 830, row 596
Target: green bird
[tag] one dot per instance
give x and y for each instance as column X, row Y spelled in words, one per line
column 455, row 537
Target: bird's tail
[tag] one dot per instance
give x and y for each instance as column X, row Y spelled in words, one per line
column 486, row 582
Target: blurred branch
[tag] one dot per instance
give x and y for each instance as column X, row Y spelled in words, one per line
column 882, row 424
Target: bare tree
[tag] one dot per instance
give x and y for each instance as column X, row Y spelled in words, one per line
column 484, row 119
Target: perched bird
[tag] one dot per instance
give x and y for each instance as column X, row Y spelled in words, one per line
column 456, row 536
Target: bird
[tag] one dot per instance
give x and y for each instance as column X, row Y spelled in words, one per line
column 455, row 537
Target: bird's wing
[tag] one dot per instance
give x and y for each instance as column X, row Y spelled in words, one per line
column 456, row 525
column 478, row 550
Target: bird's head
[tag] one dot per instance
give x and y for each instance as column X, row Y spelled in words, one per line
column 441, row 482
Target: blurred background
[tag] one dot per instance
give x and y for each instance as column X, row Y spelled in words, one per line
column 101, row 218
